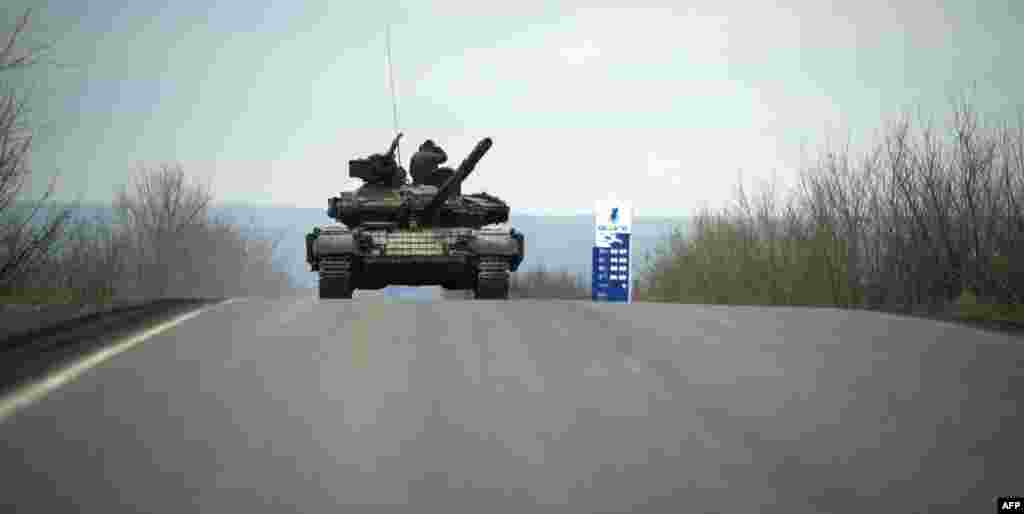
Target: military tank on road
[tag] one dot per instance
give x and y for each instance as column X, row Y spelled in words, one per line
column 390, row 232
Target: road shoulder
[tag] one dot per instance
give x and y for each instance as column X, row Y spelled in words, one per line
column 53, row 335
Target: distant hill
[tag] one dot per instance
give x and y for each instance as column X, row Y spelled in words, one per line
column 556, row 242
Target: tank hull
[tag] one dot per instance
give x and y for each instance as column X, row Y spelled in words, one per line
column 381, row 255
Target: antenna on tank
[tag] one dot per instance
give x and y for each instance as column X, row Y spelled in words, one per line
column 391, row 79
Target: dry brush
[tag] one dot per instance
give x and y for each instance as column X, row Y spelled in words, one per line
column 927, row 217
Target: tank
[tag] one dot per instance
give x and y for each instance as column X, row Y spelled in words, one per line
column 389, row 232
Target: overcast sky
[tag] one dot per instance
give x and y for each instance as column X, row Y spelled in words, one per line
column 662, row 105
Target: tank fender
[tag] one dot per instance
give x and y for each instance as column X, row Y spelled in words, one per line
column 494, row 243
column 334, row 242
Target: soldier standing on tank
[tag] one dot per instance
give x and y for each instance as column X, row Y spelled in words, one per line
column 425, row 161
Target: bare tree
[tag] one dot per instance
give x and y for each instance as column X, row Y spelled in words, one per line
column 23, row 240
column 924, row 220
column 158, row 213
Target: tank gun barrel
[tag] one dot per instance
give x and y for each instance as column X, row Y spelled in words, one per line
column 463, row 171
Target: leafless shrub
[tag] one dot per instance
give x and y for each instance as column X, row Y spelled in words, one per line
column 24, row 241
column 540, row 282
column 159, row 215
column 921, row 219
column 180, row 250
column 163, row 242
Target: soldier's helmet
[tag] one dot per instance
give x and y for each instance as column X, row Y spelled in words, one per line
column 428, row 145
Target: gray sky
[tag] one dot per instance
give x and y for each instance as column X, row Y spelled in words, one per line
column 661, row 104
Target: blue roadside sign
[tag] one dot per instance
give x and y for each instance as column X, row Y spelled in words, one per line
column 611, row 275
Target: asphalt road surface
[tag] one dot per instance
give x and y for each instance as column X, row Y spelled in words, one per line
column 303, row 405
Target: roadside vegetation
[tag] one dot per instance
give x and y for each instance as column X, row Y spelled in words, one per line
column 929, row 222
column 160, row 242
column 541, row 282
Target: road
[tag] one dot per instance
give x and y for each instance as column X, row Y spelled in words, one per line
column 303, row 405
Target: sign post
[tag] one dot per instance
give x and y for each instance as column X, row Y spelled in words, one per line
column 611, row 275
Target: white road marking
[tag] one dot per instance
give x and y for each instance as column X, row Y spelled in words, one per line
column 32, row 392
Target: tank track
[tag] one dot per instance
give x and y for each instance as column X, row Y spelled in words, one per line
column 336, row 277
column 492, row 279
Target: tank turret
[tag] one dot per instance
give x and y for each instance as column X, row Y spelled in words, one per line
column 381, row 199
